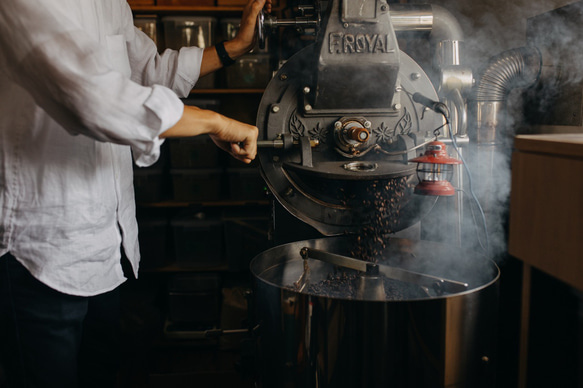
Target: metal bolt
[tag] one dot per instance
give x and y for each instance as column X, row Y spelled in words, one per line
column 345, row 25
column 308, row 107
column 383, row 7
column 306, row 90
column 283, row 77
column 415, row 76
column 337, row 125
column 275, row 108
column 367, row 124
column 398, row 88
column 397, row 106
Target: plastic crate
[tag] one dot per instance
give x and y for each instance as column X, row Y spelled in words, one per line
column 246, row 235
column 197, row 184
column 249, row 71
column 149, row 184
column 198, row 241
column 187, row 31
column 148, row 25
column 194, row 298
column 193, row 152
column 246, row 184
column 152, row 236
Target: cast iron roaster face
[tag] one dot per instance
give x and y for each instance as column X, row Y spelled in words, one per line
column 326, row 186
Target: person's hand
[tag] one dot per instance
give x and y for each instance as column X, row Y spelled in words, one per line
column 242, row 43
column 238, row 139
column 245, row 39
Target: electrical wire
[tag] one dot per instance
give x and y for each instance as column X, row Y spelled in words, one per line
column 434, row 105
column 475, row 223
column 472, row 193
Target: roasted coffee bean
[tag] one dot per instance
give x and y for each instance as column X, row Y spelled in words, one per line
column 380, row 203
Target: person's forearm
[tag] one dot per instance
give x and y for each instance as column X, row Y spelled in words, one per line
column 210, row 57
column 237, row 138
column 196, row 121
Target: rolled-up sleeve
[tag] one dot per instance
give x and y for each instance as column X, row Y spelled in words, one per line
column 178, row 70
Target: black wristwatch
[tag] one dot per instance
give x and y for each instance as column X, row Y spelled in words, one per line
column 226, row 60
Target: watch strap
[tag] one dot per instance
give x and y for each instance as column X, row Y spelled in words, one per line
column 226, row 60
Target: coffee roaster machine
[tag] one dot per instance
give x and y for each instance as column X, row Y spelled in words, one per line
column 341, row 124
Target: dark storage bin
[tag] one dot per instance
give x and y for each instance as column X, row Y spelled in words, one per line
column 196, row 184
column 213, row 104
column 234, row 316
column 186, row 31
column 246, row 184
column 194, row 298
column 249, row 71
column 149, row 184
column 193, row 152
column 153, row 241
column 198, row 241
column 246, row 235
column 148, row 25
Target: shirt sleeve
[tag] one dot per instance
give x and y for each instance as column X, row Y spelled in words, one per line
column 70, row 74
column 178, row 70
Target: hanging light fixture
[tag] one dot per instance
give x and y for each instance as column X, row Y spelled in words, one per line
column 435, row 170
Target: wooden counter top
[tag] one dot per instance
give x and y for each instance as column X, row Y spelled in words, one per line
column 567, row 144
column 546, row 205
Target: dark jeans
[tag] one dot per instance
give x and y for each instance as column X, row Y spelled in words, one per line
column 49, row 339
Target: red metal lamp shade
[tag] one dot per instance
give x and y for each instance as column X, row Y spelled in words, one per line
column 435, row 170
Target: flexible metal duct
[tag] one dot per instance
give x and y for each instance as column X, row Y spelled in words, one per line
column 515, row 68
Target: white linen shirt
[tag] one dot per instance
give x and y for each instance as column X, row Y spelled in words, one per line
column 81, row 90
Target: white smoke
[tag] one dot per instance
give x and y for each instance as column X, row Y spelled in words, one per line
column 490, row 28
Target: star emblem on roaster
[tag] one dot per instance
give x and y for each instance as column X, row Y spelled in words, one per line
column 319, row 133
column 384, row 134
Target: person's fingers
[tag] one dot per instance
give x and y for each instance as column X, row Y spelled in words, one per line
column 249, row 18
column 246, row 150
column 238, row 153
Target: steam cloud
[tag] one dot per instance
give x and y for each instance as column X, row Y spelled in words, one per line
column 490, row 29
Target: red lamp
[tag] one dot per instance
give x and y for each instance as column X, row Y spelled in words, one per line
column 435, row 170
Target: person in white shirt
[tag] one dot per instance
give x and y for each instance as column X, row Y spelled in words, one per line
column 83, row 94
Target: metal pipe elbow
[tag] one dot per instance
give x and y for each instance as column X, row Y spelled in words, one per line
column 445, row 26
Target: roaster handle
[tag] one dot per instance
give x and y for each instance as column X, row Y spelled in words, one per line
column 438, row 283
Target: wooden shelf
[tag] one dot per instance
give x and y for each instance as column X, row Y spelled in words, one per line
column 225, row 203
column 174, row 267
column 205, row 9
column 227, row 91
column 184, row 8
